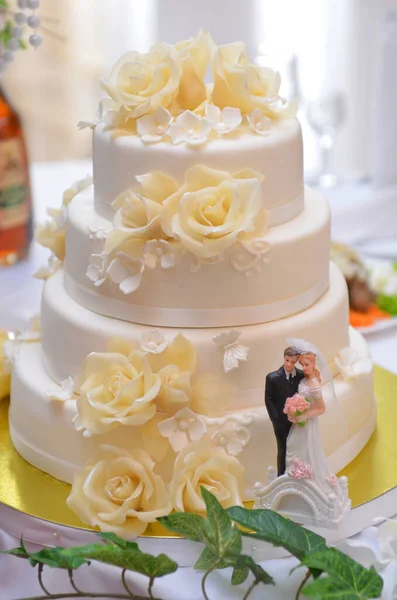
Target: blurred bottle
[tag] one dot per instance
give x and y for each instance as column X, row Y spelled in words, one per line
column 16, row 221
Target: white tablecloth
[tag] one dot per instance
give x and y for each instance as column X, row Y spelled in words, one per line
column 19, row 299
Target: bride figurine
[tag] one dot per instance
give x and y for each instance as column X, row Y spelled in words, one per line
column 309, row 492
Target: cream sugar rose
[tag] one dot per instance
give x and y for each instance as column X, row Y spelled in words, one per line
column 175, row 277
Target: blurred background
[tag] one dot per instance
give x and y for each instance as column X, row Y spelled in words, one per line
column 327, row 52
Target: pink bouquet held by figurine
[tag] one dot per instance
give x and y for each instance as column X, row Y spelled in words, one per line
column 296, row 406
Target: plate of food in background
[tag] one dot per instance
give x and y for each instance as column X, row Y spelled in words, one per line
column 372, row 285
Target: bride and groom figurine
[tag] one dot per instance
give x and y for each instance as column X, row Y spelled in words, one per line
column 305, row 489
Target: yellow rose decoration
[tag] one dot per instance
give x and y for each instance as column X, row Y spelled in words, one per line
column 203, row 465
column 214, row 209
column 142, row 82
column 240, row 84
column 115, row 390
column 75, row 189
column 52, row 236
column 138, row 209
column 5, row 376
column 211, row 394
column 194, row 55
column 119, row 492
column 175, row 366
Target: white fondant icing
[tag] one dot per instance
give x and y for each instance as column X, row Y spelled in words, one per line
column 80, row 331
column 294, row 277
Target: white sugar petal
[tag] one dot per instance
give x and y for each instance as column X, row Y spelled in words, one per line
column 130, row 284
column 213, row 113
column 167, row 261
column 162, row 116
column 232, row 116
column 176, row 133
column 116, row 271
column 188, row 120
column 197, row 429
column 167, row 427
column 179, row 440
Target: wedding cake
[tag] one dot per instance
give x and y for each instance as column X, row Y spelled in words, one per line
column 176, row 276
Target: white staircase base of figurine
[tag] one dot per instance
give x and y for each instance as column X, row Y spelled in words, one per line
column 303, row 501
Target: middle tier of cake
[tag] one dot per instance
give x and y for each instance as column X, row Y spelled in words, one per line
column 279, row 275
column 70, row 332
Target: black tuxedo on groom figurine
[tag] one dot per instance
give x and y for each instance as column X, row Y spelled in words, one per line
column 278, row 389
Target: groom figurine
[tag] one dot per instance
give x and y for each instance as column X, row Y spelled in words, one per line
column 280, row 385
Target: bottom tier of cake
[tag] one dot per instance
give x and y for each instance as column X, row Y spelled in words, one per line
column 43, row 432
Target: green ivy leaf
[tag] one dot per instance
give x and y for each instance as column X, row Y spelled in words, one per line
column 60, row 558
column 256, row 570
column 3, row 4
column 118, row 541
column 223, row 535
column 191, row 526
column 346, row 576
column 271, row 527
column 130, row 559
column 208, row 558
column 240, row 573
column 19, row 552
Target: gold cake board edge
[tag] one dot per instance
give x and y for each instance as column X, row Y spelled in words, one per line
column 372, row 475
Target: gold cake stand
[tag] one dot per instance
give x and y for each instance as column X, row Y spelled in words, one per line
column 371, row 475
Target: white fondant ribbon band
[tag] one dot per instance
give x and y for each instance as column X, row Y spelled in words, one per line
column 286, row 212
column 194, row 317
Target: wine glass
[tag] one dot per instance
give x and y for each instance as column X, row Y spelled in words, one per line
column 325, row 115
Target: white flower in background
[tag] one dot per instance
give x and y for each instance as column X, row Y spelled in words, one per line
column 189, row 128
column 383, row 277
column 153, row 127
column 234, row 353
column 115, row 390
column 223, row 121
column 351, row 364
column 153, row 341
column 45, row 271
column 201, row 464
column 214, row 209
column 126, row 272
column 232, row 438
column 75, row 189
column 143, row 82
column 259, row 122
column 97, row 269
column 118, row 491
column 66, row 392
column 158, row 251
column 182, row 429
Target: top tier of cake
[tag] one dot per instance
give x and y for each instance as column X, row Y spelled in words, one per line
column 278, row 155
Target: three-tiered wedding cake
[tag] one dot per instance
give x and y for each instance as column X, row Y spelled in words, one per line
column 177, row 276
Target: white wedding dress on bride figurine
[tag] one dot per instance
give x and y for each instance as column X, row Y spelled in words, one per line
column 309, row 492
